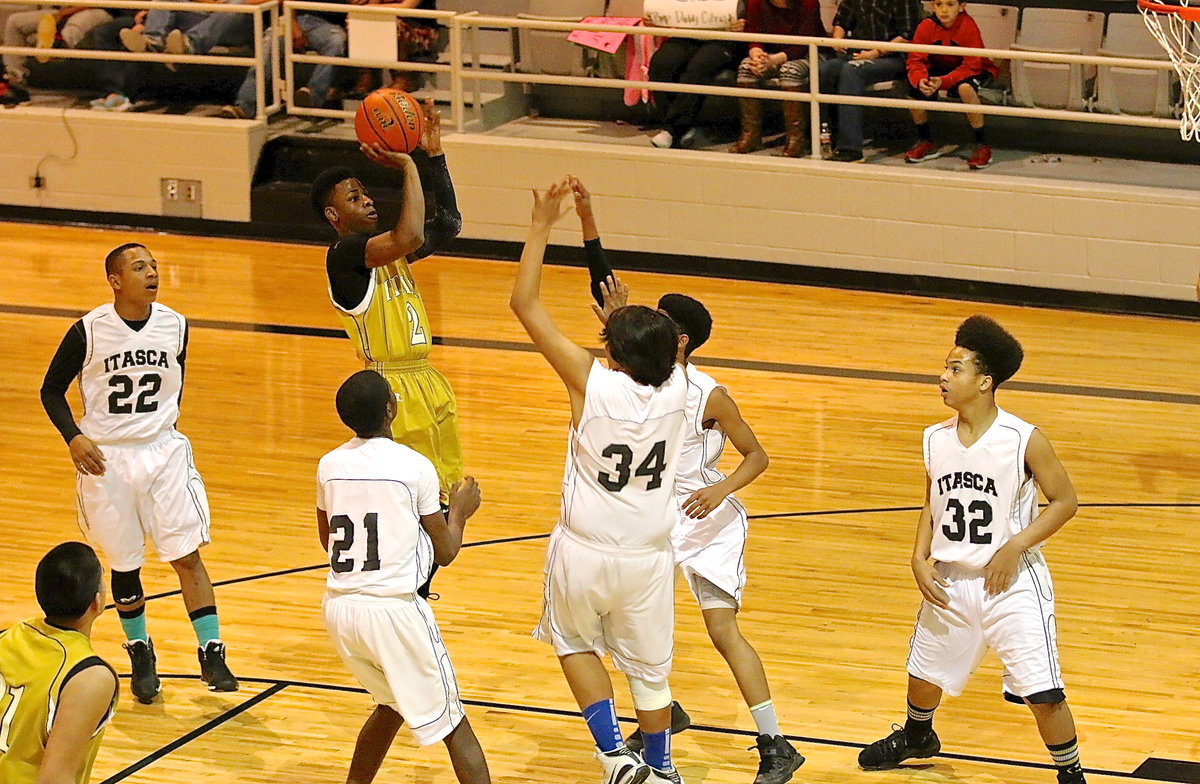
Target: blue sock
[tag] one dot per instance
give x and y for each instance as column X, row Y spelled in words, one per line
column 204, row 621
column 658, row 749
column 601, row 718
column 134, row 624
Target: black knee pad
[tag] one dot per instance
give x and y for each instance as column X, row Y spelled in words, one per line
column 1047, row 697
column 127, row 587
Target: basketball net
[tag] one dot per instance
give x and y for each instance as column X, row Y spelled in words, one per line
column 1177, row 28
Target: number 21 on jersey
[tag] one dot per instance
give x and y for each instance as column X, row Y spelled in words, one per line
column 346, row 530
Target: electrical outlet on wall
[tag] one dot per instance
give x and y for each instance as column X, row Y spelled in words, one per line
column 182, row 198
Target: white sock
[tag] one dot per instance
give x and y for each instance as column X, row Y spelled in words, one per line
column 765, row 719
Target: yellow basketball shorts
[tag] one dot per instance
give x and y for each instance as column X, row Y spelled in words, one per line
column 427, row 416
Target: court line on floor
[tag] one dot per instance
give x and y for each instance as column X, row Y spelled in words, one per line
column 325, row 564
column 786, row 368
column 1084, row 505
column 187, row 738
column 279, row 684
column 533, row 537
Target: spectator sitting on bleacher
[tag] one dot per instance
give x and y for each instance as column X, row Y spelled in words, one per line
column 849, row 74
column 188, row 32
column 688, row 61
column 41, row 28
column 928, row 74
column 323, row 32
column 777, row 66
column 416, row 39
column 118, row 79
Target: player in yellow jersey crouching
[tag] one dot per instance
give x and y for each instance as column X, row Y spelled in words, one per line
column 376, row 299
column 56, row 695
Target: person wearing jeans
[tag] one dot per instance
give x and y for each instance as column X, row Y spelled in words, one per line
column 189, row 32
column 39, row 28
column 309, row 31
column 851, row 72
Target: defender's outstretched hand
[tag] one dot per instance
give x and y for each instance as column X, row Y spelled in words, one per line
column 431, row 134
column 616, row 295
column 548, row 207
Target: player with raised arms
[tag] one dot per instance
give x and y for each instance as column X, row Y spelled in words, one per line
column 977, row 557
column 56, row 695
column 376, row 298
column 710, row 537
column 608, row 585
column 135, row 476
column 381, row 523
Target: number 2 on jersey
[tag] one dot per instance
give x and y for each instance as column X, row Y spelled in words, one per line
column 418, row 332
column 983, row 518
column 652, row 466
column 9, row 697
column 344, row 526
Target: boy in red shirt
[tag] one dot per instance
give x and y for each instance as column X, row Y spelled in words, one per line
column 950, row 25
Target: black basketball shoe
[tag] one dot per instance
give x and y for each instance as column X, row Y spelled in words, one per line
column 143, row 681
column 889, row 752
column 680, row 721
column 213, row 670
column 777, row 760
column 1072, row 774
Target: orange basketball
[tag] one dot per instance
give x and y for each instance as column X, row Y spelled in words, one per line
column 390, row 118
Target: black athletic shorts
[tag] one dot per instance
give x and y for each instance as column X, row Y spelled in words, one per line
column 978, row 81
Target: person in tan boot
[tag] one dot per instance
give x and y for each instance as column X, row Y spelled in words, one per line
column 777, row 66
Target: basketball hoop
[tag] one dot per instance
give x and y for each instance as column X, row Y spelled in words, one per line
column 1177, row 28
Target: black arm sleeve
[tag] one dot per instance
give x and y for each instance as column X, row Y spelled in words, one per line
column 445, row 221
column 599, row 267
column 64, row 368
column 346, row 266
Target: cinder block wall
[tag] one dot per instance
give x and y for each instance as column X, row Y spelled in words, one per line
column 969, row 226
column 122, row 158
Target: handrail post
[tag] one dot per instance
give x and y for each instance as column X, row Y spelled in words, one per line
column 260, row 91
column 457, row 107
column 289, row 86
column 814, row 105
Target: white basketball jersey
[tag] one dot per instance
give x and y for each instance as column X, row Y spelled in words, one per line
column 981, row 495
column 619, row 485
column 698, row 460
column 374, row 492
column 131, row 380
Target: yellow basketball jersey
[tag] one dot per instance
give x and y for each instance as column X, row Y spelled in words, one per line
column 36, row 660
column 390, row 324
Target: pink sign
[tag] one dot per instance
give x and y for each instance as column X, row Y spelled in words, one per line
column 604, row 42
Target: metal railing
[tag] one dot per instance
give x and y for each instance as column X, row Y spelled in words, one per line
column 465, row 62
column 266, row 16
column 814, row 97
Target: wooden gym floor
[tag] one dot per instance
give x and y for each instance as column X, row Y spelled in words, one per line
column 837, row 384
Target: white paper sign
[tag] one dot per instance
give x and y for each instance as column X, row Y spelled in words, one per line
column 694, row 14
column 372, row 36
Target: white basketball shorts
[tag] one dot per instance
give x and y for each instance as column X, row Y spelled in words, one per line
column 150, row 490
column 711, row 554
column 602, row 598
column 948, row 645
column 394, row 648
